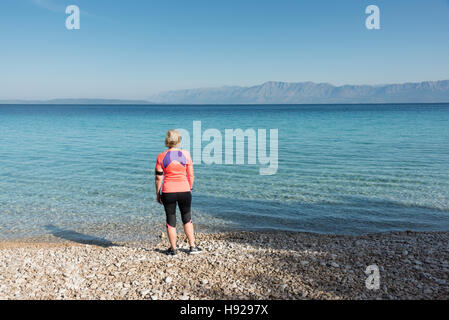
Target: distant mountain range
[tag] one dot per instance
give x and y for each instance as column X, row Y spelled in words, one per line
column 284, row 93
column 309, row 92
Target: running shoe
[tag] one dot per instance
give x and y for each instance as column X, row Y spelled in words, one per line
column 171, row 252
column 194, row 250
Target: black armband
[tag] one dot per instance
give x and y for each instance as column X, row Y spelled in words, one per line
column 158, row 173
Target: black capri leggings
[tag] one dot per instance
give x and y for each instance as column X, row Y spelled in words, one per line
column 184, row 200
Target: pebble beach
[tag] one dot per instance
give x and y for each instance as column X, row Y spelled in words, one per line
column 232, row 265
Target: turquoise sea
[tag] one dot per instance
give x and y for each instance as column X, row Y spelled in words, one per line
column 88, row 170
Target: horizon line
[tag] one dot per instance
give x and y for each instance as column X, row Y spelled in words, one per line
column 41, row 101
column 217, row 104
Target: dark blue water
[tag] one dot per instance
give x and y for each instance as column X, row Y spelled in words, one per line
column 345, row 169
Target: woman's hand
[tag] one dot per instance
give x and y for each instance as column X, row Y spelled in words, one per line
column 158, row 198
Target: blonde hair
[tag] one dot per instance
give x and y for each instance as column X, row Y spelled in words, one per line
column 172, row 138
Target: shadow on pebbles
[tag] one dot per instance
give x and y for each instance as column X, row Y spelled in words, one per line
column 236, row 265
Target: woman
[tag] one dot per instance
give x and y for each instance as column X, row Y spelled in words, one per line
column 174, row 167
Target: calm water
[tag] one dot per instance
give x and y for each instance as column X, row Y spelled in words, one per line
column 87, row 171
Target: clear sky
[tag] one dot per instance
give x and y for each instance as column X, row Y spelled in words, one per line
column 132, row 49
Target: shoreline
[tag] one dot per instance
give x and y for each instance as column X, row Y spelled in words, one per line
column 233, row 265
column 155, row 239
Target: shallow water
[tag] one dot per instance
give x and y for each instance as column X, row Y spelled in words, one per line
column 345, row 169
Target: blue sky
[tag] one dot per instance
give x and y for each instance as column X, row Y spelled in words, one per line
column 132, row 49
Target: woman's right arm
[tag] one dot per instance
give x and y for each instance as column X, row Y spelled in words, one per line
column 189, row 171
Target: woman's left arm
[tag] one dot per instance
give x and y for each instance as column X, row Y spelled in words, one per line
column 158, row 178
column 158, row 183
